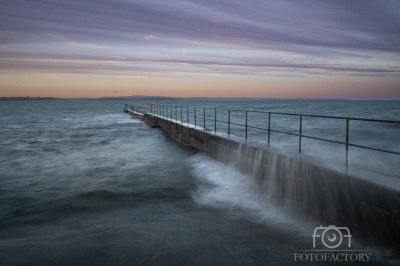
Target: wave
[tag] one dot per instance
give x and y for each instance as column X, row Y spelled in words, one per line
column 31, row 210
column 222, row 186
column 165, row 193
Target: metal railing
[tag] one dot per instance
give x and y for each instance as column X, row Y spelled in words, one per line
column 191, row 114
column 143, row 109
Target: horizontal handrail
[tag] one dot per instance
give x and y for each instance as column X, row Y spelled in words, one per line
column 291, row 114
column 170, row 111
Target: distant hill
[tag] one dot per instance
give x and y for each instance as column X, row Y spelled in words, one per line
column 135, row 97
column 144, row 97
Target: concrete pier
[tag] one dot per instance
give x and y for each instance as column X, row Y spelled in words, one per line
column 300, row 185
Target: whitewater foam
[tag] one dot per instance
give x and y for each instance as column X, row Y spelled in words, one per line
column 224, row 187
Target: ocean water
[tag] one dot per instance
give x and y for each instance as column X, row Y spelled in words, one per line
column 82, row 183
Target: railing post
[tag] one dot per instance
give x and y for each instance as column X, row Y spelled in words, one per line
column 246, row 124
column 269, row 126
column 176, row 113
column 194, row 117
column 171, row 112
column 204, row 117
column 301, row 122
column 215, row 120
column 181, row 115
column 229, row 121
column 347, row 141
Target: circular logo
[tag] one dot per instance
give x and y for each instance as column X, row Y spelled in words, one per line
column 332, row 237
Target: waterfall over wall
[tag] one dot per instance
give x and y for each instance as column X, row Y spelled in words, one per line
column 308, row 190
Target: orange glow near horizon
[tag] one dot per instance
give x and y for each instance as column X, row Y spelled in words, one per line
column 200, row 85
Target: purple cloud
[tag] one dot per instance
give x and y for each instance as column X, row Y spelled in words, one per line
column 329, row 33
column 371, row 25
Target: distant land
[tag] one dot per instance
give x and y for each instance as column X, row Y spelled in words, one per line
column 29, row 99
column 144, row 97
column 137, row 97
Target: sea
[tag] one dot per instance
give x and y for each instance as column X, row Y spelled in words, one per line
column 83, row 183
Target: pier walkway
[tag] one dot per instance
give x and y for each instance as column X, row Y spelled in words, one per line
column 303, row 186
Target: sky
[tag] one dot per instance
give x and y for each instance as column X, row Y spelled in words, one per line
column 336, row 49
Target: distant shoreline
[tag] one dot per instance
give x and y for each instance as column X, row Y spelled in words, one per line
column 29, row 99
column 144, row 97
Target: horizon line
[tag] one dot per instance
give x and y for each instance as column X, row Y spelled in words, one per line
column 192, row 97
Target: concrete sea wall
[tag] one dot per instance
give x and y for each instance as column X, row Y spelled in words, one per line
column 300, row 186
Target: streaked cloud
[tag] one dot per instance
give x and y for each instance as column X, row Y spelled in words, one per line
column 147, row 38
column 97, row 64
column 366, row 24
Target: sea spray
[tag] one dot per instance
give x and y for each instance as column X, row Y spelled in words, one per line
column 224, row 187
